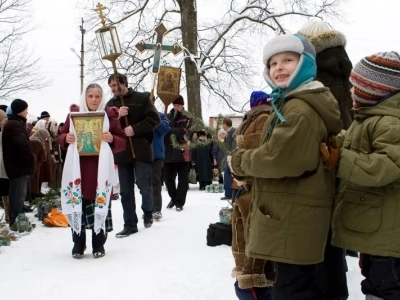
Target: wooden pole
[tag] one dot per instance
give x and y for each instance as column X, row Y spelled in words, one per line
column 121, row 97
column 83, row 31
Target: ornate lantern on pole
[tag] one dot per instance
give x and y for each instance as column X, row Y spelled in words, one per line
column 108, row 40
column 110, row 49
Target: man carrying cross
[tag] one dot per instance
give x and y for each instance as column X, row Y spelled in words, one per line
column 142, row 118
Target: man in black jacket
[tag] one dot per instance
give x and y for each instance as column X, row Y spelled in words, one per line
column 143, row 118
column 19, row 160
column 177, row 155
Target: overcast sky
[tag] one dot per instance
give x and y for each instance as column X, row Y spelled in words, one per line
column 369, row 28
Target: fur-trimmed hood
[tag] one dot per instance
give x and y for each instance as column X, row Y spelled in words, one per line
column 328, row 39
column 112, row 112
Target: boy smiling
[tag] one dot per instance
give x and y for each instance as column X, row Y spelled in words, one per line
column 293, row 193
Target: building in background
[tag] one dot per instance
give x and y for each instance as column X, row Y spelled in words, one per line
column 214, row 120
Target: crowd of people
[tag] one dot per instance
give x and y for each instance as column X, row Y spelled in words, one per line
column 313, row 170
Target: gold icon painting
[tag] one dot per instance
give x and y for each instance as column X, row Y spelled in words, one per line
column 89, row 130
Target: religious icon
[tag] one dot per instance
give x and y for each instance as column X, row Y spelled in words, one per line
column 89, row 129
column 168, row 80
column 168, row 84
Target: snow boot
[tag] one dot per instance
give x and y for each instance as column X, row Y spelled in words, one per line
column 79, row 244
column 148, row 220
column 157, row 215
column 98, row 241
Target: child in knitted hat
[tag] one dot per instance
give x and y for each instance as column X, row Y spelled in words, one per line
column 292, row 192
column 367, row 214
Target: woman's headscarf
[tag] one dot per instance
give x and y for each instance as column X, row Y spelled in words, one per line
column 41, row 124
column 40, row 135
column 83, row 105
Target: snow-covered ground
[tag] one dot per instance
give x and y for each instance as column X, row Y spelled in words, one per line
column 170, row 260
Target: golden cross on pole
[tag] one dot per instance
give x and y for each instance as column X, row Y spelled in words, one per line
column 99, row 9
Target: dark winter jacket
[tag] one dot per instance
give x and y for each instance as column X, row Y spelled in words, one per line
column 218, row 153
column 201, row 157
column 158, row 138
column 18, row 156
column 333, row 70
column 144, row 118
column 89, row 164
column 229, row 140
column 179, row 125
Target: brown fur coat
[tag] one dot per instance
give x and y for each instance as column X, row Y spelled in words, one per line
column 249, row 272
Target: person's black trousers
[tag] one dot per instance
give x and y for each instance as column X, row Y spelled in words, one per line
column 382, row 276
column 177, row 193
column 331, row 273
column 295, row 282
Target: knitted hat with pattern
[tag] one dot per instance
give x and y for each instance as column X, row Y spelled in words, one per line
column 375, row 77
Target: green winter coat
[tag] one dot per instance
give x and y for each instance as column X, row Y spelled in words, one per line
column 367, row 214
column 293, row 194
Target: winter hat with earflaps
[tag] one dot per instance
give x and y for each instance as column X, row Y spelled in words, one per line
column 375, row 77
column 305, row 71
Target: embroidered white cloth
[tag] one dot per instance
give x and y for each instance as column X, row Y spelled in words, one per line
column 71, row 193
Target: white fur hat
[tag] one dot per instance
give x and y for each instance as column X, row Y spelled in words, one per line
column 313, row 28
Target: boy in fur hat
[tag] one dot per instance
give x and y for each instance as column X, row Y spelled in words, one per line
column 292, row 192
column 367, row 214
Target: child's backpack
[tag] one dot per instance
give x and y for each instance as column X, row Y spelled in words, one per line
column 219, row 234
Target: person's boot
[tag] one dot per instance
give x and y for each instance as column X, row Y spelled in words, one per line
column 6, row 208
column 171, row 204
column 79, row 244
column 98, row 241
column 148, row 220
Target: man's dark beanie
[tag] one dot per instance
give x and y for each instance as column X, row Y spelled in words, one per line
column 18, row 106
column 179, row 100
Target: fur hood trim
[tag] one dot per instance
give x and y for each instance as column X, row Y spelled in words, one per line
column 328, row 39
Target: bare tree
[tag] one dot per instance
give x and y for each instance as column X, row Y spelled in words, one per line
column 18, row 67
column 218, row 56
